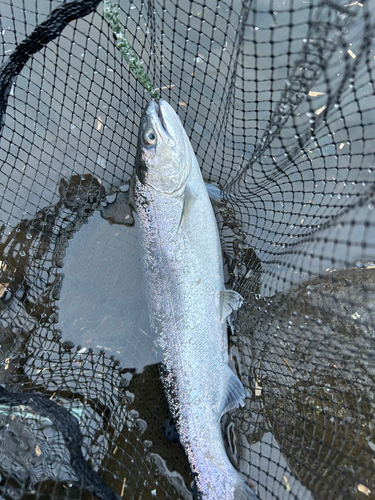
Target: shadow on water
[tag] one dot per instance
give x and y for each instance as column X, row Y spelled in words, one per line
column 31, row 258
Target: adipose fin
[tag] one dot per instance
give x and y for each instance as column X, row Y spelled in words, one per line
column 234, row 394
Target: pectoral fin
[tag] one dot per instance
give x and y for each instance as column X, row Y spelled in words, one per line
column 234, row 393
column 229, row 301
column 189, row 199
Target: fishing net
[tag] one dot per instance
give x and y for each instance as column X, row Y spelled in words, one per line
column 278, row 101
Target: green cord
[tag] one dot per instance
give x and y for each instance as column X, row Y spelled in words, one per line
column 111, row 15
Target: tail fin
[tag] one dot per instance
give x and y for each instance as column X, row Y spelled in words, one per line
column 243, row 492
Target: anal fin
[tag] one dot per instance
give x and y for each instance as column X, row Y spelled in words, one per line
column 234, row 393
column 229, row 301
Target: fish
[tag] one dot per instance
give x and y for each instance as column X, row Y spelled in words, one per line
column 188, row 304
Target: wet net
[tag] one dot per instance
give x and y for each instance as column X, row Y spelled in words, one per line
column 278, row 101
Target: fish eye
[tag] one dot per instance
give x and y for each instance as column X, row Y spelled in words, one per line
column 149, row 138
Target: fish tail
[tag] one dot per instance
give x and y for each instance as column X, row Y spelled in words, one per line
column 243, row 492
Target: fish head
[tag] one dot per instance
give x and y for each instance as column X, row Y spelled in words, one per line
column 164, row 152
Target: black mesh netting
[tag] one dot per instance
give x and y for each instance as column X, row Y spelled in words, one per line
column 277, row 98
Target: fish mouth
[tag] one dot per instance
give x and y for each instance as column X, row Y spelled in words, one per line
column 160, row 116
column 159, row 121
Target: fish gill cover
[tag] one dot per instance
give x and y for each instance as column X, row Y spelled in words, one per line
column 278, row 101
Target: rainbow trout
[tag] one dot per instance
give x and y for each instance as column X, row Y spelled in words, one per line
column 187, row 301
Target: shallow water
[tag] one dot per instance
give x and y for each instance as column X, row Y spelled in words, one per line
column 102, row 305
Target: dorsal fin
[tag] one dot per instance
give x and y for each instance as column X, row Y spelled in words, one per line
column 234, row 393
column 229, row 301
column 215, row 193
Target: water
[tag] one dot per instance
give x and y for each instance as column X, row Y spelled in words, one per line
column 310, row 386
column 102, row 305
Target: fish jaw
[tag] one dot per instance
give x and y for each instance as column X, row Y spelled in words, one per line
column 157, row 116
